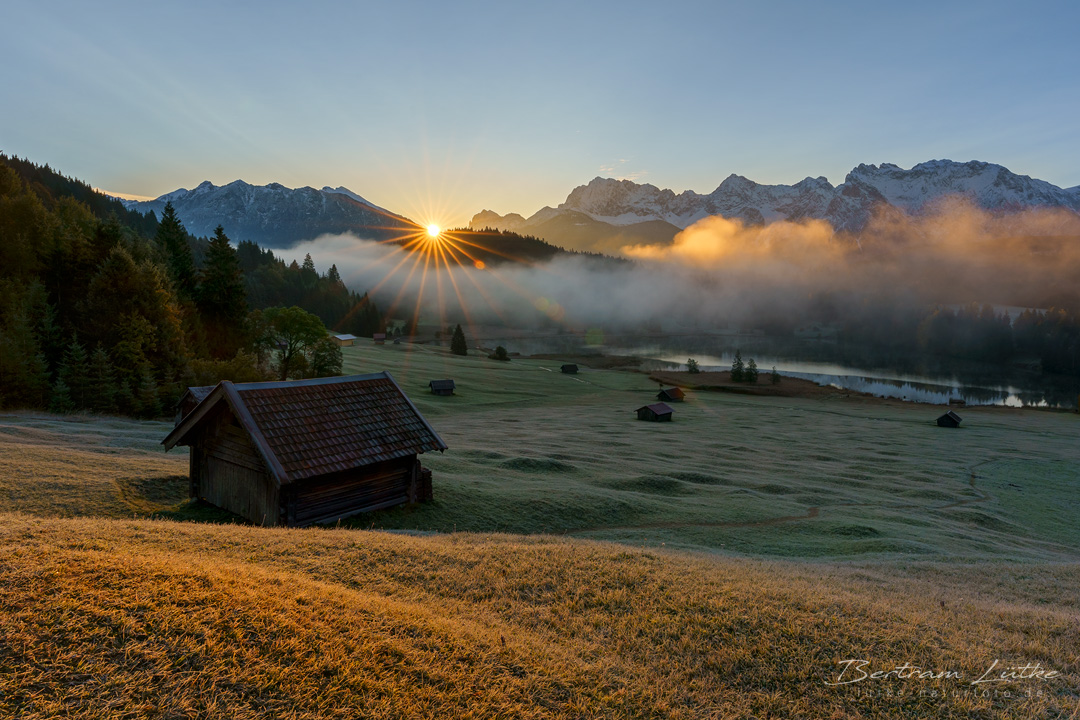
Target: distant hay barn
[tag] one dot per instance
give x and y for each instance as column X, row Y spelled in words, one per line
column 949, row 419
column 379, row 338
column 343, row 340
column 307, row 451
column 570, row 369
column 673, row 394
column 657, row 412
column 442, row 387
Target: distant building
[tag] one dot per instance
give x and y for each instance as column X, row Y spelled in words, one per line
column 307, row 451
column 949, row 419
column 343, row 340
column 671, row 395
column 657, row 412
column 187, row 402
column 442, row 387
column 379, row 338
column 570, row 369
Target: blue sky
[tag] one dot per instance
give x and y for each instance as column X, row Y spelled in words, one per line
column 438, row 110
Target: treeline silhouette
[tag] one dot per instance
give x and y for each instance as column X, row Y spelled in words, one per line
column 116, row 312
column 492, row 247
column 1047, row 338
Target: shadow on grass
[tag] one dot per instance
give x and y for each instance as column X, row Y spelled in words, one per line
column 198, row 511
column 165, row 497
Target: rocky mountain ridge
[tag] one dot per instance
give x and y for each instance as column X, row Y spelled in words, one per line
column 620, row 206
column 276, row 216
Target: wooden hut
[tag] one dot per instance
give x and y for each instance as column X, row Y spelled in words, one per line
column 379, row 338
column 672, row 394
column 343, row 340
column 949, row 419
column 570, row 369
column 441, row 387
column 307, row 451
column 189, row 400
column 657, row 412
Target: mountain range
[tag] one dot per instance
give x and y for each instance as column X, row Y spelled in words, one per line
column 607, row 214
column 276, row 216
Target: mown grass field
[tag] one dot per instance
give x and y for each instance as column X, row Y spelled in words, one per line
column 533, row 450
column 576, row 563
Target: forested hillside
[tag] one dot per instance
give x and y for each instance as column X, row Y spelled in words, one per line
column 115, row 312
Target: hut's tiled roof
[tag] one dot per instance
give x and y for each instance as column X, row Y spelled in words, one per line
column 658, row 408
column 442, row 385
column 673, row 392
column 306, row 428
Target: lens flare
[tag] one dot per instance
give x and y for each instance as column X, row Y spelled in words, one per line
column 433, row 231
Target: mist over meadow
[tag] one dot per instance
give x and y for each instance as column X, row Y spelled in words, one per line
column 721, row 272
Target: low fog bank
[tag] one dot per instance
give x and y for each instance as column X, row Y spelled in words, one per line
column 720, row 273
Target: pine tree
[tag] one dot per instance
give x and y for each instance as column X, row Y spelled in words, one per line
column 149, row 400
column 60, row 402
column 309, row 276
column 75, row 373
column 222, row 298
column 102, row 382
column 750, row 374
column 333, row 275
column 774, row 376
column 37, row 380
column 458, row 346
column 172, row 238
column 738, row 369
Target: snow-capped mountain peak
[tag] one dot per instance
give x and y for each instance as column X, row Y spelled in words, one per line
column 847, row 206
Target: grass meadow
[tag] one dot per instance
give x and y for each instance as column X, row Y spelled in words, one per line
column 576, row 563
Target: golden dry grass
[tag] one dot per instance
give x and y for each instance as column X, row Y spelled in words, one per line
column 107, row 618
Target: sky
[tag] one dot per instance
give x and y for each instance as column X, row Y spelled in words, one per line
column 437, row 110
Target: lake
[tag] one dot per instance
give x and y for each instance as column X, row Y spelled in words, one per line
column 927, row 380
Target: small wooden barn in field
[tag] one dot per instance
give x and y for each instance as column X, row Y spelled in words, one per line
column 570, row 369
column 657, row 412
column 672, row 394
column 307, row 451
column 949, row 419
column 442, row 387
column 379, row 338
column 343, row 340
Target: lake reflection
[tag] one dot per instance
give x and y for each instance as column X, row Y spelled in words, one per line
column 880, row 383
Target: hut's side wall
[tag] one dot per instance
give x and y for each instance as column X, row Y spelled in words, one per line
column 228, row 471
column 339, row 495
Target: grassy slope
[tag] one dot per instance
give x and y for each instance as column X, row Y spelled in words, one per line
column 163, row 619
column 107, row 617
